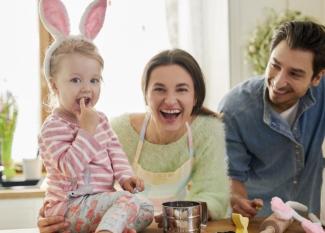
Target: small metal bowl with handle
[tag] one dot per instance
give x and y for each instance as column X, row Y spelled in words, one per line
column 184, row 216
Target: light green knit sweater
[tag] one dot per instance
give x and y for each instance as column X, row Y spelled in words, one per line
column 209, row 180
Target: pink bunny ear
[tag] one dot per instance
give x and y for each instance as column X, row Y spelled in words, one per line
column 93, row 19
column 54, row 17
column 281, row 210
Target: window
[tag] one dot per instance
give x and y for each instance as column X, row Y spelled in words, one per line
column 131, row 35
column 19, row 71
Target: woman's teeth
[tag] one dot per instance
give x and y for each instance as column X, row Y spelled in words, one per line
column 170, row 113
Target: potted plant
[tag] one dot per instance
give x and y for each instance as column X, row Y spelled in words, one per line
column 258, row 47
column 8, row 117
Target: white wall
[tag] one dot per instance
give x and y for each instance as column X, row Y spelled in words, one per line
column 215, row 60
column 201, row 28
column 246, row 14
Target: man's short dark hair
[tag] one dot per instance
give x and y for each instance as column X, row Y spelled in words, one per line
column 304, row 35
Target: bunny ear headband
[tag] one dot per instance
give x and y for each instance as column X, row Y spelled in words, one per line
column 286, row 211
column 55, row 19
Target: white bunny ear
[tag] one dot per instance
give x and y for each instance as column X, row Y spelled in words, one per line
column 55, row 18
column 93, row 19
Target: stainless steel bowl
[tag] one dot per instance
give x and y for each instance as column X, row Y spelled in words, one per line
column 182, row 216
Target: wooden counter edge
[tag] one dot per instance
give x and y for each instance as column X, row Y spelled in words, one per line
column 21, row 193
column 224, row 225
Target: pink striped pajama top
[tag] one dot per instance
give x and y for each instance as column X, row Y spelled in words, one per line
column 78, row 163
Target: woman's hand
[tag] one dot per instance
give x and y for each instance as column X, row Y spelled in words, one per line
column 133, row 184
column 51, row 224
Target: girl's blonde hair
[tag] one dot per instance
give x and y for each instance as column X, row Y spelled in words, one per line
column 73, row 46
column 67, row 47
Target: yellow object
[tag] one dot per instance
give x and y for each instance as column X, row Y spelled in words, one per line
column 258, row 207
column 240, row 222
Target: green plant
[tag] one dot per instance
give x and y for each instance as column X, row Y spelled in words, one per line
column 8, row 117
column 258, row 47
column 8, row 114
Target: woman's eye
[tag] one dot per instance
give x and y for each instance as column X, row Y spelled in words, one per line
column 182, row 90
column 159, row 89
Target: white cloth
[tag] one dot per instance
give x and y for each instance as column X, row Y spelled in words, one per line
column 290, row 114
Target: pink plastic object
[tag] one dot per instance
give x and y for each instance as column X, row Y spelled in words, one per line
column 285, row 211
column 280, row 209
column 311, row 227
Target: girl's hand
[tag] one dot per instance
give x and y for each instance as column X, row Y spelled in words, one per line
column 88, row 118
column 51, row 224
column 133, row 184
column 159, row 220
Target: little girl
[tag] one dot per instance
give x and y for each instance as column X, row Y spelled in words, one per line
column 81, row 153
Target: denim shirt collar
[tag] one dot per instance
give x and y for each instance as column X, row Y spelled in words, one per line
column 272, row 118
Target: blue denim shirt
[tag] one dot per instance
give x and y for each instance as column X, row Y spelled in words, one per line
column 269, row 156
